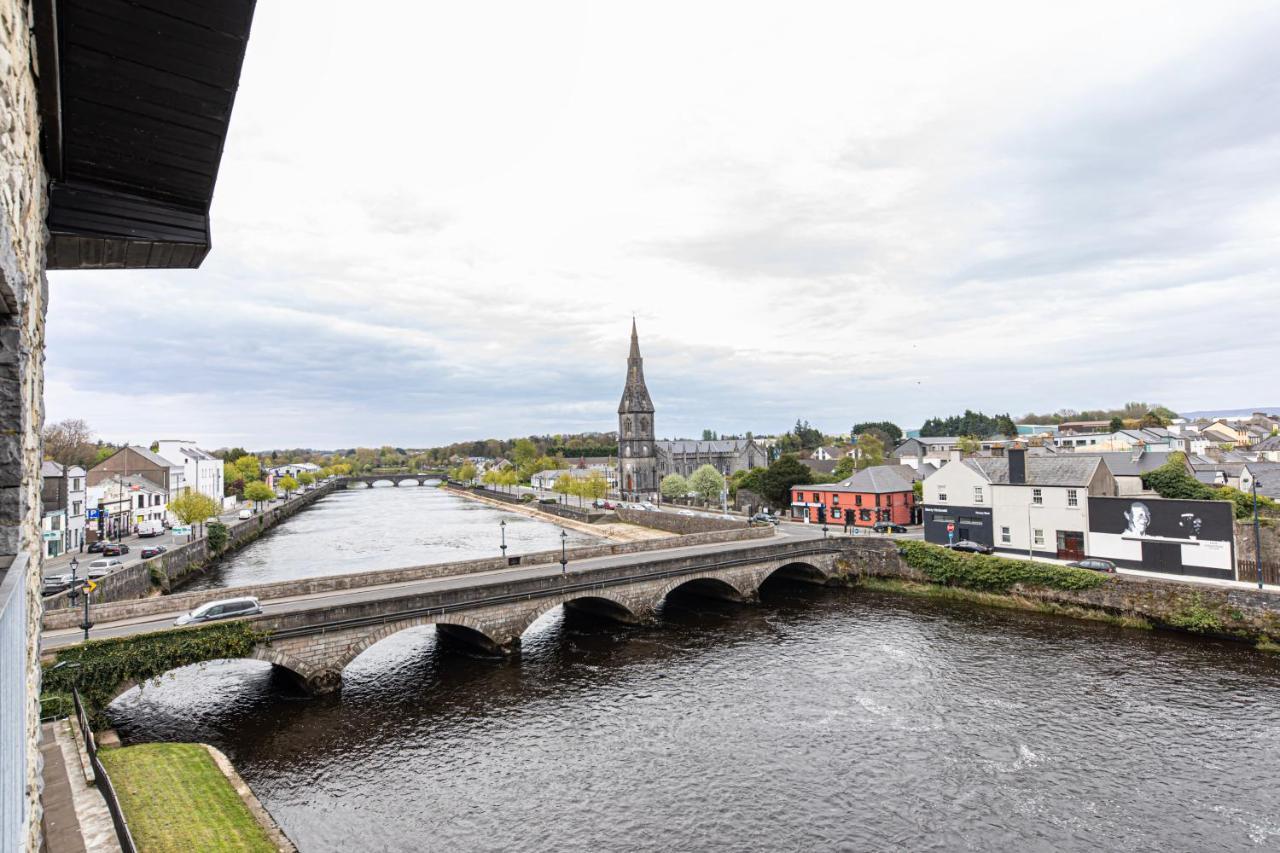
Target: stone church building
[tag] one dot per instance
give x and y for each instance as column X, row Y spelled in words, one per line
column 643, row 462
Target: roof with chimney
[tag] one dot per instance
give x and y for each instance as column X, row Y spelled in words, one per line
column 878, row 479
column 1063, row 470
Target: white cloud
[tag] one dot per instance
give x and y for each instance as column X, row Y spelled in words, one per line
column 433, row 222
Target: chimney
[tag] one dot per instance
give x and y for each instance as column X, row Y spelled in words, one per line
column 997, row 450
column 956, row 456
column 1017, row 465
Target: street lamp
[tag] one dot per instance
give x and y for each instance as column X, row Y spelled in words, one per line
column 71, row 593
column 1257, row 537
column 503, row 525
column 564, row 556
column 85, row 625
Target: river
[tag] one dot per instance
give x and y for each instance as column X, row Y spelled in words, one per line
column 386, row 527
column 819, row 719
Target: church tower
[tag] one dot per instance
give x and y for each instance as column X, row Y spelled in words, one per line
column 637, row 457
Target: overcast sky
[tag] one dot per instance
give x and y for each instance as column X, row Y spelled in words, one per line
column 434, row 221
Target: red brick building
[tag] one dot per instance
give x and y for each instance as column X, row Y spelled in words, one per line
column 879, row 493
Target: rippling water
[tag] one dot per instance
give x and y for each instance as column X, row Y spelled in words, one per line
column 817, row 720
column 360, row 530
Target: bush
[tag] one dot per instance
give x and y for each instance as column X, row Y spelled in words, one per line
column 217, row 533
column 993, row 574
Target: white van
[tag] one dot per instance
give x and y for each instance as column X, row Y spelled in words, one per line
column 245, row 514
column 150, row 528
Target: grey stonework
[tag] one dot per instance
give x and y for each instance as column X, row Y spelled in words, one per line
column 637, row 451
column 23, row 295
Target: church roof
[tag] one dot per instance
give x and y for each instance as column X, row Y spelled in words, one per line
column 721, row 445
column 635, row 396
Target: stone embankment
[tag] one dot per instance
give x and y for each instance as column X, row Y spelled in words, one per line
column 156, row 605
column 180, row 564
column 680, row 524
column 593, row 523
column 1228, row 612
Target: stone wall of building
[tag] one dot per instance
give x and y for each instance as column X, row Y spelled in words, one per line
column 23, row 294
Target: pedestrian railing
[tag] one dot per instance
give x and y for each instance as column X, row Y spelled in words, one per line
column 103, row 780
column 1247, row 571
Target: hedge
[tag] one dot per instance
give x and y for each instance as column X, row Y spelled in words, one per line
column 105, row 665
column 993, row 574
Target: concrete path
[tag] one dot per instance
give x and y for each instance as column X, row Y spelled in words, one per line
column 76, row 819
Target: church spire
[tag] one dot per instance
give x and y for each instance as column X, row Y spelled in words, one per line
column 635, row 339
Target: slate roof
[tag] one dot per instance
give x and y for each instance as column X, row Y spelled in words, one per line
column 1062, row 470
column 153, row 458
column 1124, row 463
column 878, row 479
column 1267, row 477
column 691, row 446
column 824, row 466
column 1271, row 443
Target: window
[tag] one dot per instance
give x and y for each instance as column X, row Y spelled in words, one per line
column 835, row 501
column 1039, row 536
column 977, row 494
column 857, row 500
column 835, row 513
column 1006, row 536
column 942, row 495
column 1072, row 498
column 1037, row 497
column 142, row 501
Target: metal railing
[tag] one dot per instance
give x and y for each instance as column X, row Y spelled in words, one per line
column 102, row 780
column 14, row 704
column 1247, row 571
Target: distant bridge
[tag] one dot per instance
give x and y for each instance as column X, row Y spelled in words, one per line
column 316, row 639
column 420, row 478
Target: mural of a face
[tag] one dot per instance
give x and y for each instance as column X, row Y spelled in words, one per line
column 1138, row 516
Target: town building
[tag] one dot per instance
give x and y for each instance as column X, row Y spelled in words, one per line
column 881, row 493
column 133, row 460
column 726, row 455
column 1035, row 505
column 1128, row 468
column 123, row 502
column 201, row 470
column 62, row 499
column 829, row 452
column 546, row 480
column 637, row 451
column 293, row 469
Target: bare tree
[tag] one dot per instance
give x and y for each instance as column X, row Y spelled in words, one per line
column 70, row 442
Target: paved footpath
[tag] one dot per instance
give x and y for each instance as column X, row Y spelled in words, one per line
column 75, row 818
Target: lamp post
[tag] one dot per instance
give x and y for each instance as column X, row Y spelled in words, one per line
column 85, row 625
column 1257, row 537
column 502, row 525
column 564, row 555
column 71, row 592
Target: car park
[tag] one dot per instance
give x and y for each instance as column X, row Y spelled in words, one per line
column 229, row 608
column 1094, row 564
column 114, row 549
column 153, row 551
column 102, row 567
column 971, row 547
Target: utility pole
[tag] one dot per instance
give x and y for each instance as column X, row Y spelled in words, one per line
column 1257, row 534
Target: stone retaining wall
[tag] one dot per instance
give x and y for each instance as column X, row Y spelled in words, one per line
column 109, row 612
column 679, row 524
column 180, row 563
column 590, row 516
column 1228, row 612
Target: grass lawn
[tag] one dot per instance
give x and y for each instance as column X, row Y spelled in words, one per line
column 176, row 799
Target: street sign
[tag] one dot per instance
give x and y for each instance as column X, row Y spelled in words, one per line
column 180, row 530
column 951, row 528
column 49, row 535
column 90, row 586
column 93, row 513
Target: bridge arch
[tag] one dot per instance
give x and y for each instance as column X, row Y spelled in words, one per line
column 605, row 603
column 297, row 669
column 799, row 571
column 719, row 586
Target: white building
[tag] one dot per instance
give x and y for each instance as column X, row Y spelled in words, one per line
column 1020, row 504
column 201, row 471
column 63, row 499
column 126, row 501
column 293, row 469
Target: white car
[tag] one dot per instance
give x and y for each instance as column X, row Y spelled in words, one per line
column 103, row 567
column 229, row 608
column 244, row 513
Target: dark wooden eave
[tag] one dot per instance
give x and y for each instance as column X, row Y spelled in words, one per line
column 135, row 101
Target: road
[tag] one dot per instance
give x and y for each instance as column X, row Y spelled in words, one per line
column 61, row 564
column 54, row 639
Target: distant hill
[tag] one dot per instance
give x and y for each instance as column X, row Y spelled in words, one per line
column 1231, row 413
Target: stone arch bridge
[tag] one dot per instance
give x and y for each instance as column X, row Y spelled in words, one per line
column 314, row 644
column 367, row 480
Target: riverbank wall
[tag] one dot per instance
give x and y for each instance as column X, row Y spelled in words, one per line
column 680, row 524
column 586, row 515
column 155, row 605
column 184, row 562
column 1227, row 612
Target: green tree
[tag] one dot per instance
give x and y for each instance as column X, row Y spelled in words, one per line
column 217, row 536
column 892, row 430
column 1005, row 426
column 258, row 492
column 192, row 507
column 249, row 467
column 844, row 467
column 673, row 487
column 870, row 451
column 563, row 485
column 777, row 480
column 306, row 478
column 595, row 486
column 1172, row 480
column 523, row 453
column 70, row 442
column 707, row 483
column 968, row 445
column 489, row 478
column 709, row 435
column 289, row 485
column 467, row 472
column 1117, row 423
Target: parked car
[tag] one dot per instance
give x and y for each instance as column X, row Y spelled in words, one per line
column 1094, row 564
column 102, row 567
column 153, row 551
column 226, row 609
column 646, row 505
column 114, row 549
column 96, row 547
column 601, row 503
column 888, row 527
column 764, row 518
column 147, row 529
column 244, row 513
column 54, row 584
column 971, row 547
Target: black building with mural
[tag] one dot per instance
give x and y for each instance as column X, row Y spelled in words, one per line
column 946, row 524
